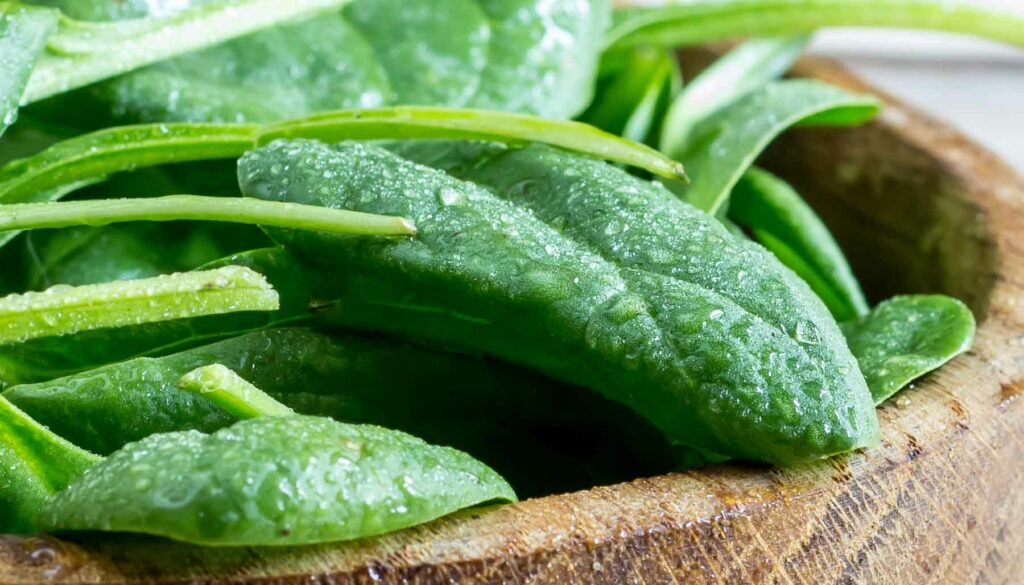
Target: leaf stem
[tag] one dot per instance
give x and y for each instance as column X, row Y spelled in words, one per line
column 229, row 391
column 27, row 216
column 63, row 310
column 700, row 21
column 453, row 123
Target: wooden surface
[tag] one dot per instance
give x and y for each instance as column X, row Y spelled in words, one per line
column 939, row 501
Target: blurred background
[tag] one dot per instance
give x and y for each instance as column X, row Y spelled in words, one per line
column 975, row 85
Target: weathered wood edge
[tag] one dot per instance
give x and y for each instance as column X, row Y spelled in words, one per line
column 940, row 500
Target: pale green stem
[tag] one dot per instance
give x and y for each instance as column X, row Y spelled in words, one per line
column 29, row 216
column 64, row 310
column 690, row 22
column 449, row 123
column 229, row 391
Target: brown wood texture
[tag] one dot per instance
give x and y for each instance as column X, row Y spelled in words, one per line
column 941, row 500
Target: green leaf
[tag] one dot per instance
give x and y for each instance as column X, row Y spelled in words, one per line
column 906, row 337
column 542, row 56
column 530, row 56
column 36, row 463
column 236, row 487
column 544, row 437
column 740, row 72
column 702, row 21
column 77, row 256
column 32, row 216
column 629, row 101
column 66, row 310
column 80, row 53
column 23, row 34
column 783, row 222
column 728, row 144
column 218, row 384
column 671, row 316
column 424, row 122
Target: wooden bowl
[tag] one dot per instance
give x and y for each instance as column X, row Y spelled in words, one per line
column 920, row 209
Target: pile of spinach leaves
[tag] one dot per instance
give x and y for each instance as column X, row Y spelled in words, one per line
column 296, row 232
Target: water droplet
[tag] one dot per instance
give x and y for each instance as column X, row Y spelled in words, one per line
column 807, row 333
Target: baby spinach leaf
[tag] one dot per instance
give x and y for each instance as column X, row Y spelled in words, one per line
column 30, row 216
column 740, row 72
column 701, row 21
column 104, row 408
column 232, row 393
column 542, row 56
column 543, row 436
column 728, row 144
column 23, row 34
column 36, row 463
column 412, row 68
column 782, row 222
column 530, row 56
column 674, row 349
column 80, row 53
column 274, row 481
column 906, row 337
column 631, row 99
column 78, row 256
column 65, row 310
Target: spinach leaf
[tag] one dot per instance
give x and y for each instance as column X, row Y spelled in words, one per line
column 542, row 56
column 740, row 72
column 274, row 481
column 36, row 463
column 728, row 144
column 781, row 221
column 23, row 34
column 412, row 68
column 66, row 310
column 906, row 337
column 701, row 21
column 79, row 256
column 633, row 92
column 80, row 53
column 706, row 370
column 530, row 56
column 543, row 436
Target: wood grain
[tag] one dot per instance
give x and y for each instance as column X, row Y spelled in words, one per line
column 939, row 501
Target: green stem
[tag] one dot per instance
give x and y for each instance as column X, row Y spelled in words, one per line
column 28, row 216
column 229, row 391
column 404, row 122
column 701, row 21
column 65, row 310
column 68, row 165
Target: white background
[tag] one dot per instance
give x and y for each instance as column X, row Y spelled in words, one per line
column 976, row 86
